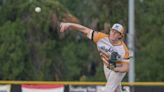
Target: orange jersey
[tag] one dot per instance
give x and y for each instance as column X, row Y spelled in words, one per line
column 105, row 47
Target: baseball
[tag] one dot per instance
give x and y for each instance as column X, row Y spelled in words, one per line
column 38, row 9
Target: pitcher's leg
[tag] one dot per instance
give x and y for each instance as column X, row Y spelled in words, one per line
column 119, row 88
column 107, row 72
column 113, row 81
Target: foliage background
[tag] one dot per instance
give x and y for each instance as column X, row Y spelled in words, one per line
column 31, row 47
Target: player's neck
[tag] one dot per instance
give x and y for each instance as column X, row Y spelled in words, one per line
column 115, row 42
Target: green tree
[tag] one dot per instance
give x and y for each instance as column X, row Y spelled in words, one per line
column 27, row 39
column 149, row 40
column 13, row 50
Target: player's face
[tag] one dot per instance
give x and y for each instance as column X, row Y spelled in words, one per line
column 114, row 35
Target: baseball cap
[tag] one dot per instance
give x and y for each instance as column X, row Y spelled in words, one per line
column 118, row 27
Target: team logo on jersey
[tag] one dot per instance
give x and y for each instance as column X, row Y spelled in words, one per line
column 107, row 50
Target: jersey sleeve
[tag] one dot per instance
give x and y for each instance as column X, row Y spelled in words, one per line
column 96, row 36
column 126, row 55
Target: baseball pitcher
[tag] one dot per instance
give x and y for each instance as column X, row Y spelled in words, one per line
column 112, row 50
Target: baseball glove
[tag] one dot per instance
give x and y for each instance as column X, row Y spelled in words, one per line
column 114, row 58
